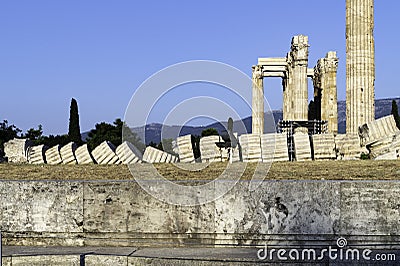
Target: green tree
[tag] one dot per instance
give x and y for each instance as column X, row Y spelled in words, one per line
column 35, row 135
column 209, row 132
column 52, row 140
column 112, row 133
column 133, row 138
column 74, row 131
column 7, row 132
column 395, row 113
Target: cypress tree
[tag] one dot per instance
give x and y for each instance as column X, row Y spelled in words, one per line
column 74, row 132
column 395, row 113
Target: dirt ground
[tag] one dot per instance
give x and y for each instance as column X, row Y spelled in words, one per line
column 313, row 170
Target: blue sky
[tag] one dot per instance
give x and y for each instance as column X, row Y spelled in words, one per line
column 99, row 52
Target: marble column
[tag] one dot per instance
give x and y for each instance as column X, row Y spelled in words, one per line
column 325, row 90
column 360, row 64
column 258, row 100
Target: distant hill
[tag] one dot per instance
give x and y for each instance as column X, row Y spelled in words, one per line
column 383, row 107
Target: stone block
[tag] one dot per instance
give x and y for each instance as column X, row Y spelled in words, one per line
column 36, row 154
column 105, row 154
column 153, row 155
column 378, row 129
column 16, row 150
column 67, row 153
column 128, row 153
column 209, row 150
column 274, row 147
column 82, row 155
column 185, row 150
column 251, row 147
column 53, row 155
column 348, row 147
column 302, row 147
column 324, row 147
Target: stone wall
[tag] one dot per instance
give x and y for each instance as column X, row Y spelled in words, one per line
column 122, row 214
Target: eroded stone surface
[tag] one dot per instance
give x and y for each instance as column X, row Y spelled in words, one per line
column 16, row 150
column 302, row 146
column 185, row 149
column 324, row 147
column 251, row 147
column 274, row 147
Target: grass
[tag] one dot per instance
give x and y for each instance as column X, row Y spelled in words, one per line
column 315, row 170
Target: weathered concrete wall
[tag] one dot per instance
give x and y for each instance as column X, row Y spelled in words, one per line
column 122, row 214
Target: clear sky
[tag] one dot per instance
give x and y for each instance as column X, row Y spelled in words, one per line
column 99, row 52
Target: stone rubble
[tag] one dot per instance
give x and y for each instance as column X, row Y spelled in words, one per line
column 82, row 155
column 128, row 153
column 36, row 154
column 185, row 149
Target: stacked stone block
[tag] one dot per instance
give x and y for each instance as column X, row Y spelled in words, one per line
column 324, row 147
column 274, row 147
column 105, row 154
column 53, row 155
column 153, row 155
column 67, row 153
column 185, row 150
column 16, row 150
column 302, row 147
column 82, row 155
column 36, row 154
column 251, row 147
column 128, row 153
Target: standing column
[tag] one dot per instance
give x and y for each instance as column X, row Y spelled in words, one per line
column 326, row 90
column 360, row 64
column 258, row 100
column 298, row 83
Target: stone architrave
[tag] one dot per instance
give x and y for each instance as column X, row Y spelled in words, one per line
column 82, row 155
column 325, row 90
column 53, row 155
column 105, row 154
column 324, row 147
column 302, row 147
column 251, row 147
column 185, row 149
column 16, row 150
column 67, row 153
column 153, row 155
column 257, row 100
column 360, row 64
column 36, row 154
column 128, row 153
column 274, row 147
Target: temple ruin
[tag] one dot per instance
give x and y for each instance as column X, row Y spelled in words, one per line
column 294, row 71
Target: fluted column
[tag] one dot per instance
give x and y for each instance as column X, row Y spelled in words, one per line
column 360, row 64
column 325, row 94
column 258, row 101
column 297, row 93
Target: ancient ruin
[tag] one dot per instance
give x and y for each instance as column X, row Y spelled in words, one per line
column 360, row 64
